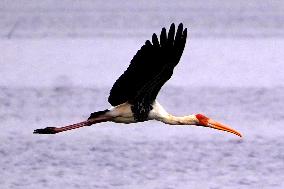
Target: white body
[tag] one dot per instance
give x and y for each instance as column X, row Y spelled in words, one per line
column 123, row 114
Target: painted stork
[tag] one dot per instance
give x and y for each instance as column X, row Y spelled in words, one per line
column 133, row 95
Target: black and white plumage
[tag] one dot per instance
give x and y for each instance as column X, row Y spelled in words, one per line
column 133, row 95
column 149, row 70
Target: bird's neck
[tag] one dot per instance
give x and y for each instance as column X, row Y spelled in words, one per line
column 177, row 120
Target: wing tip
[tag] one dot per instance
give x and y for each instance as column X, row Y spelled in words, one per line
column 185, row 32
column 148, row 43
column 122, row 91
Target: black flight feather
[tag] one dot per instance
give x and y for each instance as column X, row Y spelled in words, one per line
column 150, row 68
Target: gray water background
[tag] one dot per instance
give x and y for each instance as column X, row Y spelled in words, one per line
column 34, row 93
column 99, row 18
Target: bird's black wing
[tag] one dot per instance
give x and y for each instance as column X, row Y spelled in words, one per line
column 150, row 68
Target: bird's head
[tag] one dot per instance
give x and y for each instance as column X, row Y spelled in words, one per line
column 207, row 122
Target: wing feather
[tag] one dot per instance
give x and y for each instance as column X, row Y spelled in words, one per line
column 150, row 68
column 155, row 41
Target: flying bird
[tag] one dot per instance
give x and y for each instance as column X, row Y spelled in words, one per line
column 133, row 95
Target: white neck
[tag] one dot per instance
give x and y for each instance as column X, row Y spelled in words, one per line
column 160, row 114
column 176, row 120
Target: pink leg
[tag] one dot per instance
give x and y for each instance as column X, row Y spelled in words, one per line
column 54, row 130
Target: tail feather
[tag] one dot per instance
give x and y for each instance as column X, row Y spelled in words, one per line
column 98, row 113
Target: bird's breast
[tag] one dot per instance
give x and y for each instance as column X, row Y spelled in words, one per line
column 122, row 113
column 126, row 120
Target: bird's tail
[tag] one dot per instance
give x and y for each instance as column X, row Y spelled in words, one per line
column 97, row 114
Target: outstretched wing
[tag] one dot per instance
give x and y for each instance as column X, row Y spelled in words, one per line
column 150, row 68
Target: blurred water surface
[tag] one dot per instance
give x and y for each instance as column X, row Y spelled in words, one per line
column 77, row 19
column 148, row 154
column 59, row 59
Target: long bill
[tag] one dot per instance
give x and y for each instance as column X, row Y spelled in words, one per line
column 216, row 125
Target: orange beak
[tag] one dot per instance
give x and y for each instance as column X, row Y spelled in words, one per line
column 216, row 125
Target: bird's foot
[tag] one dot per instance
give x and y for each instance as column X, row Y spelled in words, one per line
column 47, row 130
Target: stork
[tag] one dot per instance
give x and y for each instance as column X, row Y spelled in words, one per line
column 133, row 95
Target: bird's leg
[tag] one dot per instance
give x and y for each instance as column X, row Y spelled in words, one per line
column 89, row 122
column 54, row 130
